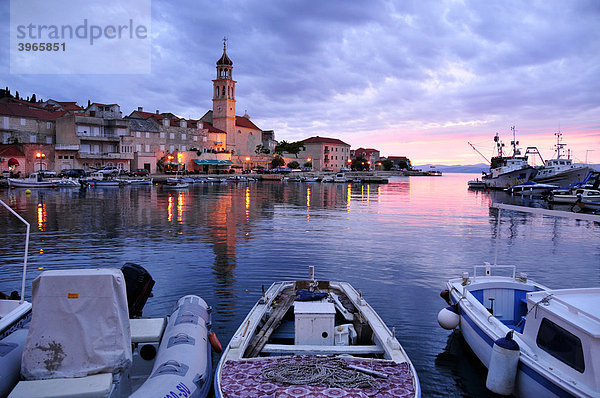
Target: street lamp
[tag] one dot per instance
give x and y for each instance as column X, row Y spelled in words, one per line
column 40, row 156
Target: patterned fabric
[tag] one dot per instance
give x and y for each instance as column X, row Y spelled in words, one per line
column 243, row 379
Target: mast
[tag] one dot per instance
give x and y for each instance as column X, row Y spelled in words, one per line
column 559, row 145
column 473, row 146
column 514, row 142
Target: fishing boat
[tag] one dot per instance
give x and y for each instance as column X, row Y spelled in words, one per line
column 476, row 184
column 507, row 171
column 560, row 170
column 535, row 341
column 37, row 180
column 531, row 188
column 315, row 339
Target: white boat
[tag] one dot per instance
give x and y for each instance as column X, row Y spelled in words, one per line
column 140, row 181
column 81, row 341
column 327, row 178
column 176, row 185
column 98, row 179
column 531, row 188
column 557, row 332
column 560, row 170
column 571, row 196
column 340, row 177
column 507, row 171
column 535, row 341
column 37, row 180
column 335, row 333
column 15, row 314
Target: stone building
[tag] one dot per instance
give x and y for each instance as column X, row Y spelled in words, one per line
column 370, row 155
column 326, row 154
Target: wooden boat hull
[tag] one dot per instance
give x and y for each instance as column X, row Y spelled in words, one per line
column 263, row 339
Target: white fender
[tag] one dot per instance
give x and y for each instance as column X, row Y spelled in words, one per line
column 183, row 363
column 448, row 317
column 502, row 371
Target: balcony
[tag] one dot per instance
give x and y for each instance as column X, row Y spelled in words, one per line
column 326, row 160
column 65, row 147
column 106, row 155
column 326, row 150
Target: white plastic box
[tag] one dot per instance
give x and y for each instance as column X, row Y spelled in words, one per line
column 314, row 322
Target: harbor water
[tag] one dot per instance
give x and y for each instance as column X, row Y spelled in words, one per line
column 398, row 243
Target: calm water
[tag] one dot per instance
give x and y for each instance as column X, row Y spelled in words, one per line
column 398, row 243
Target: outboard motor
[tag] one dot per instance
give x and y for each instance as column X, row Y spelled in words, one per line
column 139, row 285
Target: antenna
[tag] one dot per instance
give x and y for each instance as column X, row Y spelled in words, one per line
column 224, row 42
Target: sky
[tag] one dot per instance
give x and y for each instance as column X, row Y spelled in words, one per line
column 409, row 78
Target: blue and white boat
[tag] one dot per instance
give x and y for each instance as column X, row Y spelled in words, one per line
column 535, row 341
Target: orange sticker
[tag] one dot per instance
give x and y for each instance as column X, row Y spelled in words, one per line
column 72, row 295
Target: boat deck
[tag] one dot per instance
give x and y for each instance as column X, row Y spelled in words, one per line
column 257, row 377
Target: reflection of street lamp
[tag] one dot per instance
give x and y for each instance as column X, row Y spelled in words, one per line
column 247, row 163
column 41, row 158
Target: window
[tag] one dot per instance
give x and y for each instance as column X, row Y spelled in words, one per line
column 183, row 136
column 60, row 156
column 48, row 140
column 183, row 148
column 561, row 344
column 32, row 139
column 147, row 148
column 195, row 138
column 172, row 136
column 138, row 147
column 137, row 134
column 171, row 148
column 162, row 147
column 162, row 135
column 22, row 122
column 48, row 125
column 204, row 139
column 147, row 134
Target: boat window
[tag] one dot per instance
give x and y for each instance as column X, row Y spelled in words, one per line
column 561, row 344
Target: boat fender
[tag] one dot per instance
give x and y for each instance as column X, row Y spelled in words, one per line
column 502, row 370
column 214, row 342
column 445, row 294
column 448, row 317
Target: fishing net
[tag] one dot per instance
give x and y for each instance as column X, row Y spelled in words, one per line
column 318, row 371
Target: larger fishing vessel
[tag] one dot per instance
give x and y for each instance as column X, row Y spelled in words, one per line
column 506, row 171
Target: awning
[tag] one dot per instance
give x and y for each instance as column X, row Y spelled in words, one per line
column 13, row 162
column 212, row 162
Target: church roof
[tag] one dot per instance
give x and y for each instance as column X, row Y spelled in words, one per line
column 224, row 60
column 245, row 122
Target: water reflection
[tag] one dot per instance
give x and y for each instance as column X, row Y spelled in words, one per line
column 398, row 242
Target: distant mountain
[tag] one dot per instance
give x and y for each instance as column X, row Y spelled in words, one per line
column 471, row 168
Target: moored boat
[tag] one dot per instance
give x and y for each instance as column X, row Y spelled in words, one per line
column 531, row 188
column 535, row 341
column 572, row 195
column 37, row 180
column 81, row 341
column 314, row 338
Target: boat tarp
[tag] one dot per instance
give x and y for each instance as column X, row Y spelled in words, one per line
column 212, row 162
column 79, row 325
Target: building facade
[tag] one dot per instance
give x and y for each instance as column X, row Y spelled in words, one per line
column 326, row 154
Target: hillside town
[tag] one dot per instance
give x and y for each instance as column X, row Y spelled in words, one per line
column 63, row 135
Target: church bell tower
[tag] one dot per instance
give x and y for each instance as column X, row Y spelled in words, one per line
column 224, row 94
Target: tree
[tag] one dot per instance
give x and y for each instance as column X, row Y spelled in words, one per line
column 33, row 99
column 387, row 165
column 277, row 162
column 308, row 164
column 261, row 149
column 17, row 95
column 360, row 164
column 290, row 147
column 293, row 164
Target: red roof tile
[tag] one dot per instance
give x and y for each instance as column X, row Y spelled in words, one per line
column 245, row 122
column 19, row 110
column 213, row 129
column 324, row 140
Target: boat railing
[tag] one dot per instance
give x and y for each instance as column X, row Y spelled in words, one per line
column 487, row 269
column 26, row 248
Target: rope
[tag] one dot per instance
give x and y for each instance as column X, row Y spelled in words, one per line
column 323, row 371
column 545, row 300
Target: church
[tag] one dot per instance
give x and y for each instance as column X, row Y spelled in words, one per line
column 242, row 135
